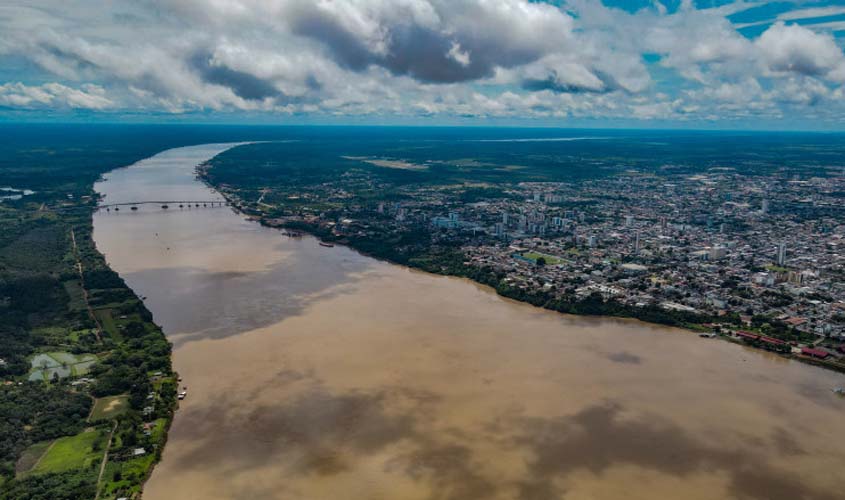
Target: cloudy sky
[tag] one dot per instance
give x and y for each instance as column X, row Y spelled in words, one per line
column 700, row 64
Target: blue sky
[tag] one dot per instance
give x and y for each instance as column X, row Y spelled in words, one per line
column 567, row 63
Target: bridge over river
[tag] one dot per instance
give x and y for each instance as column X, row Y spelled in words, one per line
column 165, row 204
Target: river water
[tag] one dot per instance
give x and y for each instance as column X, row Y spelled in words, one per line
column 318, row 373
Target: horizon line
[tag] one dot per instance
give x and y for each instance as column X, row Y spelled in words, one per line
column 411, row 126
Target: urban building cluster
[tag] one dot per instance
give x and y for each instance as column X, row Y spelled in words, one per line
column 767, row 251
column 718, row 243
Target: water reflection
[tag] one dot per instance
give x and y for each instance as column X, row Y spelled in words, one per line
column 226, row 303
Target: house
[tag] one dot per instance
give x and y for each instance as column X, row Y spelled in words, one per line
column 795, row 322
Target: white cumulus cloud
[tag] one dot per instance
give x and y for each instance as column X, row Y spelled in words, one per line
column 54, row 95
column 515, row 58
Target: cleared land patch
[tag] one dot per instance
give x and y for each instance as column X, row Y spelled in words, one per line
column 73, row 452
column 385, row 163
column 31, row 456
column 109, row 407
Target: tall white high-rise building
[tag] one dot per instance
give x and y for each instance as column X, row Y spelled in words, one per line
column 781, row 255
column 765, row 207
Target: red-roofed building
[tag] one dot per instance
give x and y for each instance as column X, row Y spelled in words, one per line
column 747, row 335
column 814, row 353
column 795, row 321
column 771, row 340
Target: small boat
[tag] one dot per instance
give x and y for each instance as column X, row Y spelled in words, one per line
column 134, row 208
column 327, row 245
column 839, row 390
column 707, row 335
column 165, row 207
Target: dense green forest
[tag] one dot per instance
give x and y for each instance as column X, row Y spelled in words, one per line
column 478, row 155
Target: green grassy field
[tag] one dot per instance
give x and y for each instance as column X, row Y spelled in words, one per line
column 109, row 407
column 73, row 452
column 551, row 260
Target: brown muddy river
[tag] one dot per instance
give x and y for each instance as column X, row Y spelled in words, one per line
column 318, row 373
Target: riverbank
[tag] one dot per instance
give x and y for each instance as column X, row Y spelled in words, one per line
column 88, row 393
column 451, row 264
